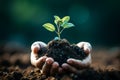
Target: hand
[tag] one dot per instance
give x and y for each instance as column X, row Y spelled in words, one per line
column 75, row 65
column 46, row 64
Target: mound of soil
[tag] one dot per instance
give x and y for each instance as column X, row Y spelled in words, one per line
column 61, row 50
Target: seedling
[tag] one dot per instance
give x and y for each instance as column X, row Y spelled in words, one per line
column 60, row 49
column 61, row 24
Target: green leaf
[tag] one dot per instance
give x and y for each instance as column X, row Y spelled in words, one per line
column 63, row 24
column 49, row 27
column 65, row 19
column 57, row 19
column 68, row 25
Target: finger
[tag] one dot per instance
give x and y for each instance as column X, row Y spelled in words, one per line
column 78, row 63
column 87, row 61
column 39, row 63
column 87, row 49
column 47, row 66
column 54, row 68
column 80, row 44
column 69, row 68
column 36, row 46
column 86, row 46
column 60, row 70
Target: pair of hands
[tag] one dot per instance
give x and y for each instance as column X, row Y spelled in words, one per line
column 49, row 66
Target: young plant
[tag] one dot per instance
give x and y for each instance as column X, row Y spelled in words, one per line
column 61, row 24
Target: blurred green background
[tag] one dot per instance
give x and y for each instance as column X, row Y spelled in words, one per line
column 96, row 21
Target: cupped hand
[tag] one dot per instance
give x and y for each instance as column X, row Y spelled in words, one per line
column 46, row 64
column 75, row 65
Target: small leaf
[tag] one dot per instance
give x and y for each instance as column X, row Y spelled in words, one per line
column 49, row 27
column 68, row 25
column 65, row 19
column 63, row 24
column 57, row 19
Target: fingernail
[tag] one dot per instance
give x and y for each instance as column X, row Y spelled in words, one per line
column 87, row 51
column 60, row 69
column 44, row 58
column 49, row 61
column 70, row 61
column 64, row 66
column 35, row 49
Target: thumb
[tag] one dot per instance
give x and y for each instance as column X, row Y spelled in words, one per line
column 38, row 45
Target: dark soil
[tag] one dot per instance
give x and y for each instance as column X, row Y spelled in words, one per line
column 61, row 50
column 31, row 73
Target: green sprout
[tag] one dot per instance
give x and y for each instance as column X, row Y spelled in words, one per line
column 61, row 24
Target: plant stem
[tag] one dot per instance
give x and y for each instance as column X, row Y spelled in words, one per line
column 58, row 31
column 58, row 35
column 62, row 30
